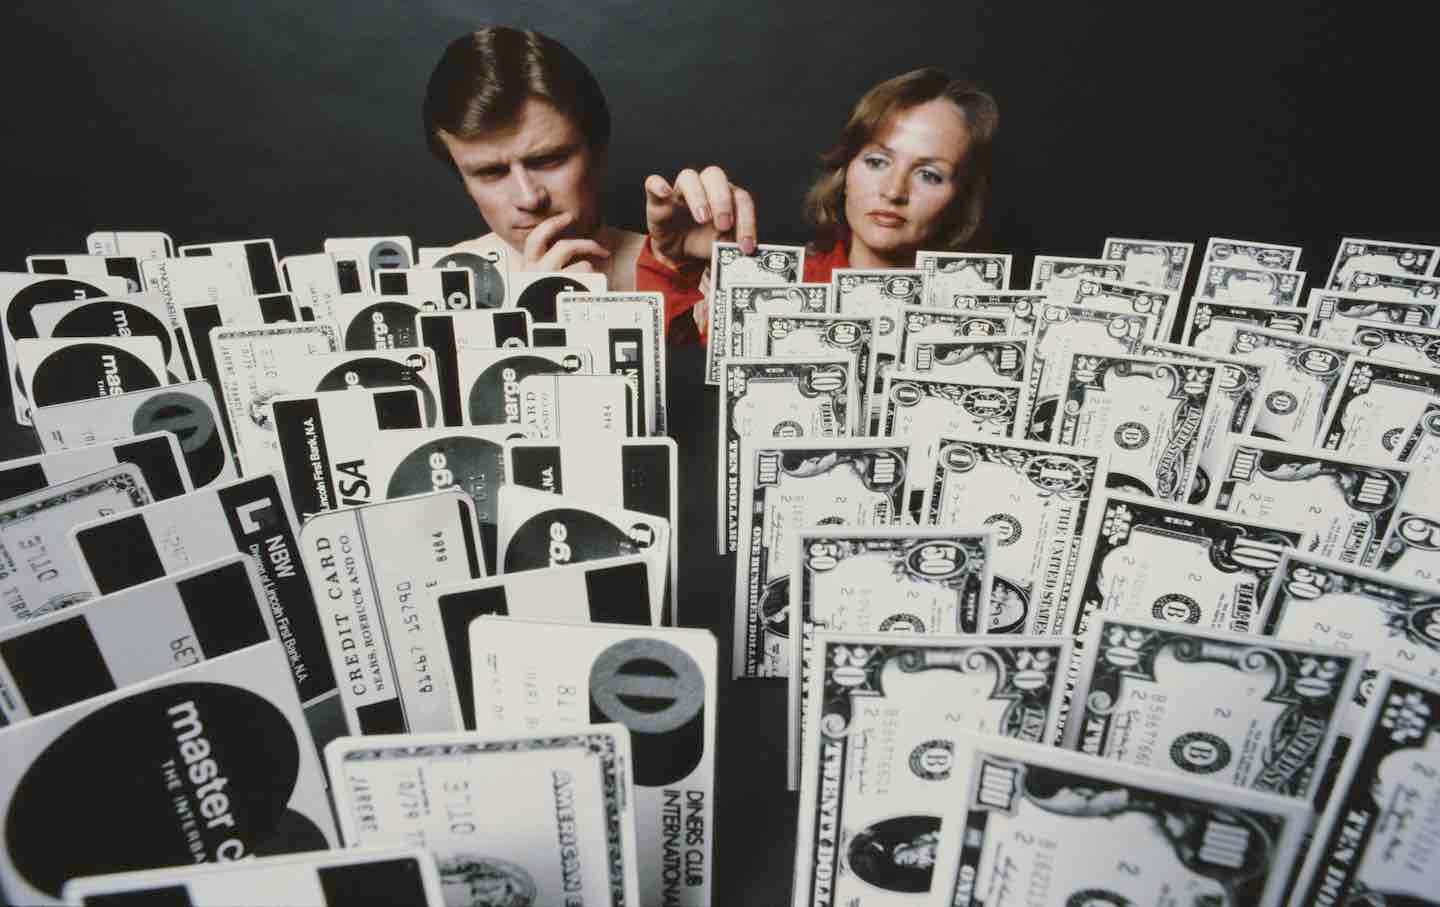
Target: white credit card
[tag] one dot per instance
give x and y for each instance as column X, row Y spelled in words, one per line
column 252, row 261
column 622, row 310
column 635, row 474
column 112, row 641
column 537, row 530
column 489, row 270
column 156, row 454
column 188, row 411
column 370, row 567
column 136, row 315
column 58, row 370
column 672, row 744
column 20, row 293
column 142, row 244
column 370, row 322
column 248, row 516
column 487, row 385
column 325, row 878
column 373, row 253
column 87, row 266
column 231, row 771
column 438, row 289
column 314, row 280
column 579, row 406
column 625, row 351
column 39, row 571
column 569, row 830
column 180, row 281
column 536, row 291
column 611, row 590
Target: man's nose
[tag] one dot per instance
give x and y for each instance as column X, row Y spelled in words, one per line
column 526, row 193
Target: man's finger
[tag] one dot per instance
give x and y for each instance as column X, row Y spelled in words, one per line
column 692, row 191
column 544, row 233
column 719, row 197
column 746, row 232
column 583, row 266
column 562, row 253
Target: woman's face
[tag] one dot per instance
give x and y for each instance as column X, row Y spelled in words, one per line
column 900, row 184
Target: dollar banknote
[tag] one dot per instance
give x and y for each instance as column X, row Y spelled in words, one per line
column 1151, row 262
column 1302, row 377
column 1380, row 256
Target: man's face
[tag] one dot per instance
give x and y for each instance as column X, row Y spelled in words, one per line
column 530, row 170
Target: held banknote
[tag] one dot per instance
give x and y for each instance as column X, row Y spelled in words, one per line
column 565, row 792
column 1150, row 416
column 1302, row 377
column 1237, row 389
column 890, row 718
column 785, row 485
column 1348, row 503
column 1036, row 825
column 1261, row 714
column 812, row 397
column 729, row 265
column 929, row 580
column 1151, row 262
column 1036, row 500
column 1376, row 841
column 1184, row 565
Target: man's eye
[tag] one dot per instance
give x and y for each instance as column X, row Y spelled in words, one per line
column 550, row 160
column 488, row 173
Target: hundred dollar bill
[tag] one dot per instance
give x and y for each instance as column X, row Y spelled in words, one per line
column 748, row 303
column 1237, row 388
column 1302, row 377
column 1335, row 316
column 1006, row 357
column 888, row 721
column 1150, row 416
column 1347, row 503
column 565, row 793
column 1239, row 283
column 1023, row 305
column 790, row 336
column 1317, row 600
column 1036, row 825
column 1186, row 565
column 948, row 274
column 1212, row 325
column 1036, row 498
column 925, row 409
column 1412, row 548
column 928, row 580
column 730, row 266
column 812, row 397
column 1380, row 256
column 1256, row 713
column 1415, row 347
column 1116, row 296
column 1151, row 262
column 1380, row 410
column 1271, row 256
column 785, row 485
column 1059, row 277
column 922, row 326
column 1376, row 841
column 1065, row 329
column 1392, row 286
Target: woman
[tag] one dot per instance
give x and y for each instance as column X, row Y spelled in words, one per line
column 911, row 171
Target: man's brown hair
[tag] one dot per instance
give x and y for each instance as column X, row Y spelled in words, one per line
column 825, row 201
column 483, row 78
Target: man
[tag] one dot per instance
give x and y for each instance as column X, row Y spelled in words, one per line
column 525, row 126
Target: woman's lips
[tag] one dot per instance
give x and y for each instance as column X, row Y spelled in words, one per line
column 885, row 218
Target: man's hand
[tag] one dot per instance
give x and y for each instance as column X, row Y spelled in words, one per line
column 544, row 251
column 685, row 219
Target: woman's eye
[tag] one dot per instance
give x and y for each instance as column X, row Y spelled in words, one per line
column 930, row 177
column 874, row 162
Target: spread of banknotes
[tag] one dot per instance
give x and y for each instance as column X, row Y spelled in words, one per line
column 355, row 576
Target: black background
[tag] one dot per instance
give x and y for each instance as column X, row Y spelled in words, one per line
column 1282, row 121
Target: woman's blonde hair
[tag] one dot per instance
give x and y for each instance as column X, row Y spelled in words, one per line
column 825, row 201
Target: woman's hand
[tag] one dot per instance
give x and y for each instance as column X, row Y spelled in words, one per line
column 686, row 218
column 544, row 251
